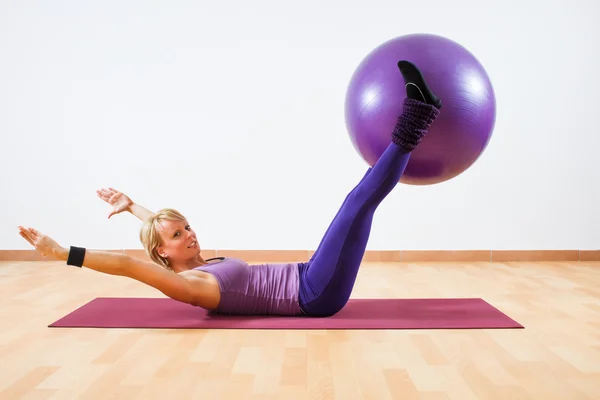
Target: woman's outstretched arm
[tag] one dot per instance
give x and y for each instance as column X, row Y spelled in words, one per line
column 173, row 285
column 140, row 212
column 121, row 202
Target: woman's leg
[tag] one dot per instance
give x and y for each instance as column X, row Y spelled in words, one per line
column 316, row 253
column 328, row 278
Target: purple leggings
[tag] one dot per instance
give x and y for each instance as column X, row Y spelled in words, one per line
column 327, row 280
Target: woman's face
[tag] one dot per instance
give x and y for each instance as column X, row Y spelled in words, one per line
column 179, row 241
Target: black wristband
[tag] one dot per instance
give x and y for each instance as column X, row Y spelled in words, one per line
column 76, row 256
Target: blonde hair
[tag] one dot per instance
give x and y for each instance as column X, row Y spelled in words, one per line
column 150, row 237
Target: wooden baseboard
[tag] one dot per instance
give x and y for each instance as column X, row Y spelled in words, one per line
column 370, row 256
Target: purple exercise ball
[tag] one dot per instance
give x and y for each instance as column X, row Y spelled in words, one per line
column 461, row 132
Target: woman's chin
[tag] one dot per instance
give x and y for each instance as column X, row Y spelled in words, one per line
column 195, row 251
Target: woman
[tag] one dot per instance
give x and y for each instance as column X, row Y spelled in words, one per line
column 320, row 287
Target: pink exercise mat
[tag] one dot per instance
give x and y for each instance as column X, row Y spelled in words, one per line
column 164, row 313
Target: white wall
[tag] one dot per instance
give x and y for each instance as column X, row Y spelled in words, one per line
column 232, row 112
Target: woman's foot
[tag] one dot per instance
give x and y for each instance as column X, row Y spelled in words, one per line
column 416, row 87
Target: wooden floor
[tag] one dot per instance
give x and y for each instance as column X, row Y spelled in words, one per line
column 556, row 356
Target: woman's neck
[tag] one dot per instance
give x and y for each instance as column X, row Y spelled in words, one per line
column 190, row 264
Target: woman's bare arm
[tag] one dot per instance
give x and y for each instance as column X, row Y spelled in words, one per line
column 185, row 289
column 140, row 212
column 121, row 202
column 169, row 283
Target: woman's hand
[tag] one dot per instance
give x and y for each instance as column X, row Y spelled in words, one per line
column 118, row 200
column 43, row 243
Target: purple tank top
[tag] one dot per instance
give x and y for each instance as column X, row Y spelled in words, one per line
column 262, row 289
